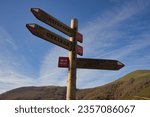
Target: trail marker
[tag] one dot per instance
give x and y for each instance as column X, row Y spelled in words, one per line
column 87, row 63
column 103, row 64
column 71, row 62
column 47, row 35
column 51, row 21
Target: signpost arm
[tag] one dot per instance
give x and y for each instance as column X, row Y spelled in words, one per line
column 71, row 81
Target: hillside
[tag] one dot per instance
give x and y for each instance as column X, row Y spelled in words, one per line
column 36, row 93
column 135, row 85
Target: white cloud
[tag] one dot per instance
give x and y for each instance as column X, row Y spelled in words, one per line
column 5, row 38
column 10, row 64
column 130, row 48
column 10, row 80
column 50, row 74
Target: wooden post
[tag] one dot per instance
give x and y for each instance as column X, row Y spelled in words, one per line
column 71, row 81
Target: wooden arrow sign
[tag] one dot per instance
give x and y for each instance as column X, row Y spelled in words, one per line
column 84, row 63
column 103, row 64
column 47, row 35
column 50, row 20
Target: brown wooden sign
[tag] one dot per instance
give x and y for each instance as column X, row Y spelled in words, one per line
column 49, row 36
column 104, row 64
column 50, row 20
column 84, row 63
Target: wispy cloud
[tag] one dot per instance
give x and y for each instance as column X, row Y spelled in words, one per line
column 10, row 80
column 10, row 64
column 50, row 74
column 5, row 38
column 105, row 30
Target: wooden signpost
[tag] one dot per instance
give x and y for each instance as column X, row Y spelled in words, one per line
column 71, row 62
column 88, row 63
column 47, row 35
column 103, row 64
column 51, row 21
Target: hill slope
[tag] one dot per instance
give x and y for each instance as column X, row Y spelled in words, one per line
column 36, row 93
column 135, row 85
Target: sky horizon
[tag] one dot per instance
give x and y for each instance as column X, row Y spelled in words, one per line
column 112, row 29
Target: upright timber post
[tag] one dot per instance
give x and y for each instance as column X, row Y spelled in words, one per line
column 71, row 81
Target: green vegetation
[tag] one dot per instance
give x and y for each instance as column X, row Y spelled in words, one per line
column 136, row 75
column 135, row 85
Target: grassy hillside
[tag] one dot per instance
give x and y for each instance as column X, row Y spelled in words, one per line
column 135, row 85
column 36, row 93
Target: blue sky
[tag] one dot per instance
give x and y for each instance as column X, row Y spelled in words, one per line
column 112, row 29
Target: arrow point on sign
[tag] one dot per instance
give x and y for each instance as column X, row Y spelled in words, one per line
column 30, row 27
column 120, row 64
column 35, row 11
